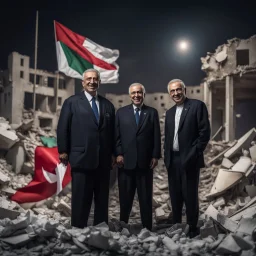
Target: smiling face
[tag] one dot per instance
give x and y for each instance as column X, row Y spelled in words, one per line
column 137, row 94
column 177, row 92
column 91, row 82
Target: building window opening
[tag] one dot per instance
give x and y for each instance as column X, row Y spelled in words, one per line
column 45, row 122
column 21, row 74
column 155, row 98
column 62, row 84
column 162, row 105
column 22, row 62
column 242, row 57
column 161, row 97
column 28, row 100
column 198, row 91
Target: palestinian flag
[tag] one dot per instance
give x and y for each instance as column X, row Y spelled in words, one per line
column 76, row 53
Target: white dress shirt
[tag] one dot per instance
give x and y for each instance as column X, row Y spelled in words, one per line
column 134, row 107
column 179, row 109
column 89, row 98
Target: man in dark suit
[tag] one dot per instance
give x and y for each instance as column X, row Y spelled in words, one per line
column 85, row 137
column 138, row 148
column 187, row 132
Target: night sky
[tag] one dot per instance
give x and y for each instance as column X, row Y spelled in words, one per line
column 145, row 34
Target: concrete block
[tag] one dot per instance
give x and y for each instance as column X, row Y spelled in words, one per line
column 27, row 168
column 4, row 179
column 242, row 243
column 160, row 214
column 171, row 245
column 251, row 190
column 99, row 240
column 227, row 223
column 242, row 165
column 247, row 225
column 17, row 240
column 64, row 207
column 7, row 139
column 6, row 213
column 16, row 157
column 208, row 229
column 243, row 142
column 224, row 181
column 226, row 163
column 8, row 191
column 228, row 246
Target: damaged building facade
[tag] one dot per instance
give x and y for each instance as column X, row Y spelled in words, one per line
column 16, row 92
column 230, row 87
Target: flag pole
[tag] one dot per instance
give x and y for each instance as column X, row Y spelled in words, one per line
column 58, row 73
column 35, row 65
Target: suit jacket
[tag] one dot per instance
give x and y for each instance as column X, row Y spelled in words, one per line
column 138, row 144
column 87, row 143
column 193, row 134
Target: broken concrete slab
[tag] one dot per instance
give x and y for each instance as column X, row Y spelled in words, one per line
column 242, row 165
column 27, row 168
column 246, row 225
column 17, row 240
column 7, row 213
column 253, row 153
column 224, row 180
column 228, row 246
column 251, row 190
column 4, row 179
column 16, row 157
column 243, row 142
column 7, row 139
column 26, row 124
column 226, row 163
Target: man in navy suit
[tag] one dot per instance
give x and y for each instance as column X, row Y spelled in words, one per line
column 85, row 137
column 138, row 148
column 187, row 132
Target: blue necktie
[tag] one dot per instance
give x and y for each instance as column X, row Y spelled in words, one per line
column 95, row 109
column 137, row 116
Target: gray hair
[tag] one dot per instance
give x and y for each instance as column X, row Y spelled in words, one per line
column 174, row 81
column 92, row 70
column 134, row 84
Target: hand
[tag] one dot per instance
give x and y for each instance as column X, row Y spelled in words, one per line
column 120, row 161
column 63, row 158
column 153, row 163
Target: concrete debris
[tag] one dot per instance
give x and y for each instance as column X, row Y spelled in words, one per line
column 227, row 208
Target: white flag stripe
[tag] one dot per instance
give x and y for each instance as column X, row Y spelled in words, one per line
column 103, row 53
column 63, row 63
column 50, row 177
column 107, row 76
column 60, row 173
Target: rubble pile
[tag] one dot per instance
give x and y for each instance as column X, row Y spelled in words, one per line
column 227, row 206
column 37, row 235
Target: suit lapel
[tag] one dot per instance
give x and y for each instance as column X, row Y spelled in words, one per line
column 184, row 112
column 86, row 105
column 171, row 121
column 143, row 115
column 101, row 110
column 132, row 116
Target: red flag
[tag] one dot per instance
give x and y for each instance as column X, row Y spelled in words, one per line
column 50, row 177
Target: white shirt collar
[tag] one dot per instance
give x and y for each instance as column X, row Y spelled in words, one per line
column 89, row 96
column 134, row 107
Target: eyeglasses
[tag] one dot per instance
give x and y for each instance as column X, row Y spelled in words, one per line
column 178, row 90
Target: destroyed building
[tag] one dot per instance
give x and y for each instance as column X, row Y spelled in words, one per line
column 230, row 87
column 16, row 92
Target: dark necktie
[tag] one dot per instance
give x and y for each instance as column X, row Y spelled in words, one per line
column 137, row 116
column 95, row 109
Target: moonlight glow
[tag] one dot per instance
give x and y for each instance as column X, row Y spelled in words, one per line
column 183, row 46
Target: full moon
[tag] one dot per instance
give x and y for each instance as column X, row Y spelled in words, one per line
column 183, row 45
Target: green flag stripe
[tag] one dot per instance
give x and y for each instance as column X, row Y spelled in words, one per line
column 75, row 61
